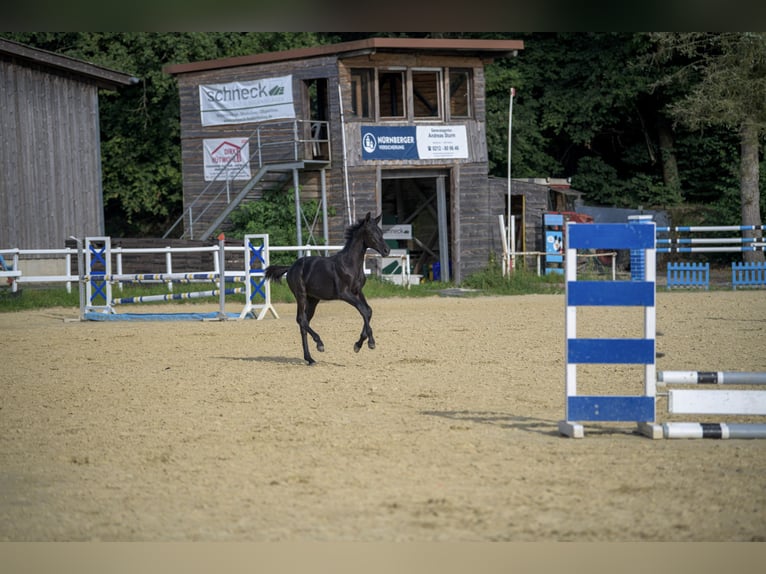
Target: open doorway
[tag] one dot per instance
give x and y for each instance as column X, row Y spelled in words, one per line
column 316, row 129
column 421, row 198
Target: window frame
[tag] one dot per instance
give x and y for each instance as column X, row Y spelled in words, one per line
column 438, row 83
column 468, row 92
column 401, row 72
column 358, row 96
column 374, row 77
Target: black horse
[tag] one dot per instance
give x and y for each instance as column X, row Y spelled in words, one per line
column 340, row 276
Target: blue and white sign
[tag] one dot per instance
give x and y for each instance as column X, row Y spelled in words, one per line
column 396, row 142
column 246, row 102
column 414, row 142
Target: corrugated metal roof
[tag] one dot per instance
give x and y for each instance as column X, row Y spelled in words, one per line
column 460, row 47
column 99, row 75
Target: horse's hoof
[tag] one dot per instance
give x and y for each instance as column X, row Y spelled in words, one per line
column 311, row 362
column 357, row 347
column 371, row 344
column 320, row 347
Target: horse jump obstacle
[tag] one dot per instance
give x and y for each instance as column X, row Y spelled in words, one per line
column 714, row 402
column 641, row 409
column 96, row 302
column 636, row 293
column 709, row 244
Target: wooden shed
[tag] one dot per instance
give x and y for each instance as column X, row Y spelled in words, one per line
column 531, row 198
column 389, row 125
column 50, row 154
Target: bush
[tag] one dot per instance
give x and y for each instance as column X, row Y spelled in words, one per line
column 273, row 214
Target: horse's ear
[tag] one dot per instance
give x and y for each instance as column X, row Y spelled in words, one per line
column 368, row 216
column 378, row 218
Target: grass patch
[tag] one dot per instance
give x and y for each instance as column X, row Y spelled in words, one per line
column 37, row 298
column 520, row 282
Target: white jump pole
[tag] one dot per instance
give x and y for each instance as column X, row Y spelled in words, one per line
column 710, row 378
column 714, row 430
column 176, row 296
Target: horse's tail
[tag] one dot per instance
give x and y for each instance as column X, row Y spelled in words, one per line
column 275, row 272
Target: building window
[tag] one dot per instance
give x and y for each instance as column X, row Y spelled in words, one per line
column 391, row 94
column 361, row 92
column 426, row 93
column 459, row 93
column 410, row 94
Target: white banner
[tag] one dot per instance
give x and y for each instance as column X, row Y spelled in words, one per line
column 437, row 142
column 226, row 159
column 246, row 102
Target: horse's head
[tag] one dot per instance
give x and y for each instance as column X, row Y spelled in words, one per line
column 373, row 234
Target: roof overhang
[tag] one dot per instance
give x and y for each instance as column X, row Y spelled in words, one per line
column 103, row 77
column 448, row 47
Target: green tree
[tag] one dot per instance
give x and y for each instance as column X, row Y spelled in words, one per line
column 584, row 110
column 727, row 74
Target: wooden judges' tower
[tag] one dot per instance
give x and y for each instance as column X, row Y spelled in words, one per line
column 389, row 125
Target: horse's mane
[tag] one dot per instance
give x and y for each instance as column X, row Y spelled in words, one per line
column 351, row 230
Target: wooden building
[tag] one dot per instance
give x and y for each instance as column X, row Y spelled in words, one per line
column 388, row 125
column 531, row 198
column 50, row 154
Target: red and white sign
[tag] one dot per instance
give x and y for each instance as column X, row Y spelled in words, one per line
column 226, row 159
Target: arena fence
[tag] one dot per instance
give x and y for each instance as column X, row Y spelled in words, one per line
column 688, row 275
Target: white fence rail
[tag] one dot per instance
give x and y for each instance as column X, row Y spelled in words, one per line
column 14, row 260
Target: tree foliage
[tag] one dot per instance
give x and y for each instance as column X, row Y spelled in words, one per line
column 726, row 75
column 632, row 118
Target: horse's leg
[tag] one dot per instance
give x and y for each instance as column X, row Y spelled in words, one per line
column 306, row 307
column 367, row 324
column 311, row 306
column 300, row 318
column 361, row 305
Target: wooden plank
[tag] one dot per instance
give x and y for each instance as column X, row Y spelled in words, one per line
column 611, row 293
column 610, row 408
column 610, row 351
column 610, row 236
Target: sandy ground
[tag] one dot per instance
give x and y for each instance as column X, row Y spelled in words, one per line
column 208, row 431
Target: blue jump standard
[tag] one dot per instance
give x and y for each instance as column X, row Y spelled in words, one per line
column 635, row 293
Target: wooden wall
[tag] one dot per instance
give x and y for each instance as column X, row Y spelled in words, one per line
column 50, row 158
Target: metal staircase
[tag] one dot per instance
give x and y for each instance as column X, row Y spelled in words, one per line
column 277, row 150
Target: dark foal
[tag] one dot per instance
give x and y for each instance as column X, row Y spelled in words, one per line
column 340, row 276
